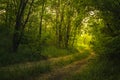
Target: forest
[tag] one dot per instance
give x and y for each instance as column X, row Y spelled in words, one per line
column 59, row 39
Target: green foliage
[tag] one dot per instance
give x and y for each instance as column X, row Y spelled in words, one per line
column 52, row 51
column 57, row 28
column 101, row 69
column 19, row 58
column 73, row 58
column 23, row 72
column 112, row 48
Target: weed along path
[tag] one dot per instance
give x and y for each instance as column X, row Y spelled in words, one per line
column 63, row 73
column 51, row 69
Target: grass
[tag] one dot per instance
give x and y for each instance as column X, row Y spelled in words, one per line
column 72, row 58
column 52, row 51
column 28, row 55
column 102, row 69
column 7, row 59
column 24, row 71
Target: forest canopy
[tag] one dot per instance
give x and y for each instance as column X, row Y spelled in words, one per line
column 60, row 23
column 33, row 24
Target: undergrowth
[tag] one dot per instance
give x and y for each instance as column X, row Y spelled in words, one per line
column 25, row 71
column 99, row 69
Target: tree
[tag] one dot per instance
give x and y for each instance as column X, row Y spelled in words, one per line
column 21, row 22
column 41, row 17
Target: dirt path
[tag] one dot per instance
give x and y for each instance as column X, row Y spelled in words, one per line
column 64, row 72
column 60, row 68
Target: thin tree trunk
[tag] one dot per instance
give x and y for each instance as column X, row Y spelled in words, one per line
column 68, row 32
column 41, row 18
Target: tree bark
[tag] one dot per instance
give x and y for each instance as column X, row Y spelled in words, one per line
column 41, row 18
column 19, row 24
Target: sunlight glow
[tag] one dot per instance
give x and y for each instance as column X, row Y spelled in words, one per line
column 2, row 11
column 92, row 13
column 51, row 11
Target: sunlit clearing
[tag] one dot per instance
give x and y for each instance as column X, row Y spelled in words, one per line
column 85, row 37
column 84, row 40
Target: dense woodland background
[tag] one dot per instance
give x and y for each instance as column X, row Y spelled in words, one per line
column 35, row 30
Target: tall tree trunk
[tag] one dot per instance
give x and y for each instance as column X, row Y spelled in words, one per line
column 20, row 25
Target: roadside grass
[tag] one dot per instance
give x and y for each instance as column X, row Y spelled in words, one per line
column 25, row 71
column 71, row 58
column 31, row 55
column 101, row 69
column 52, row 51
